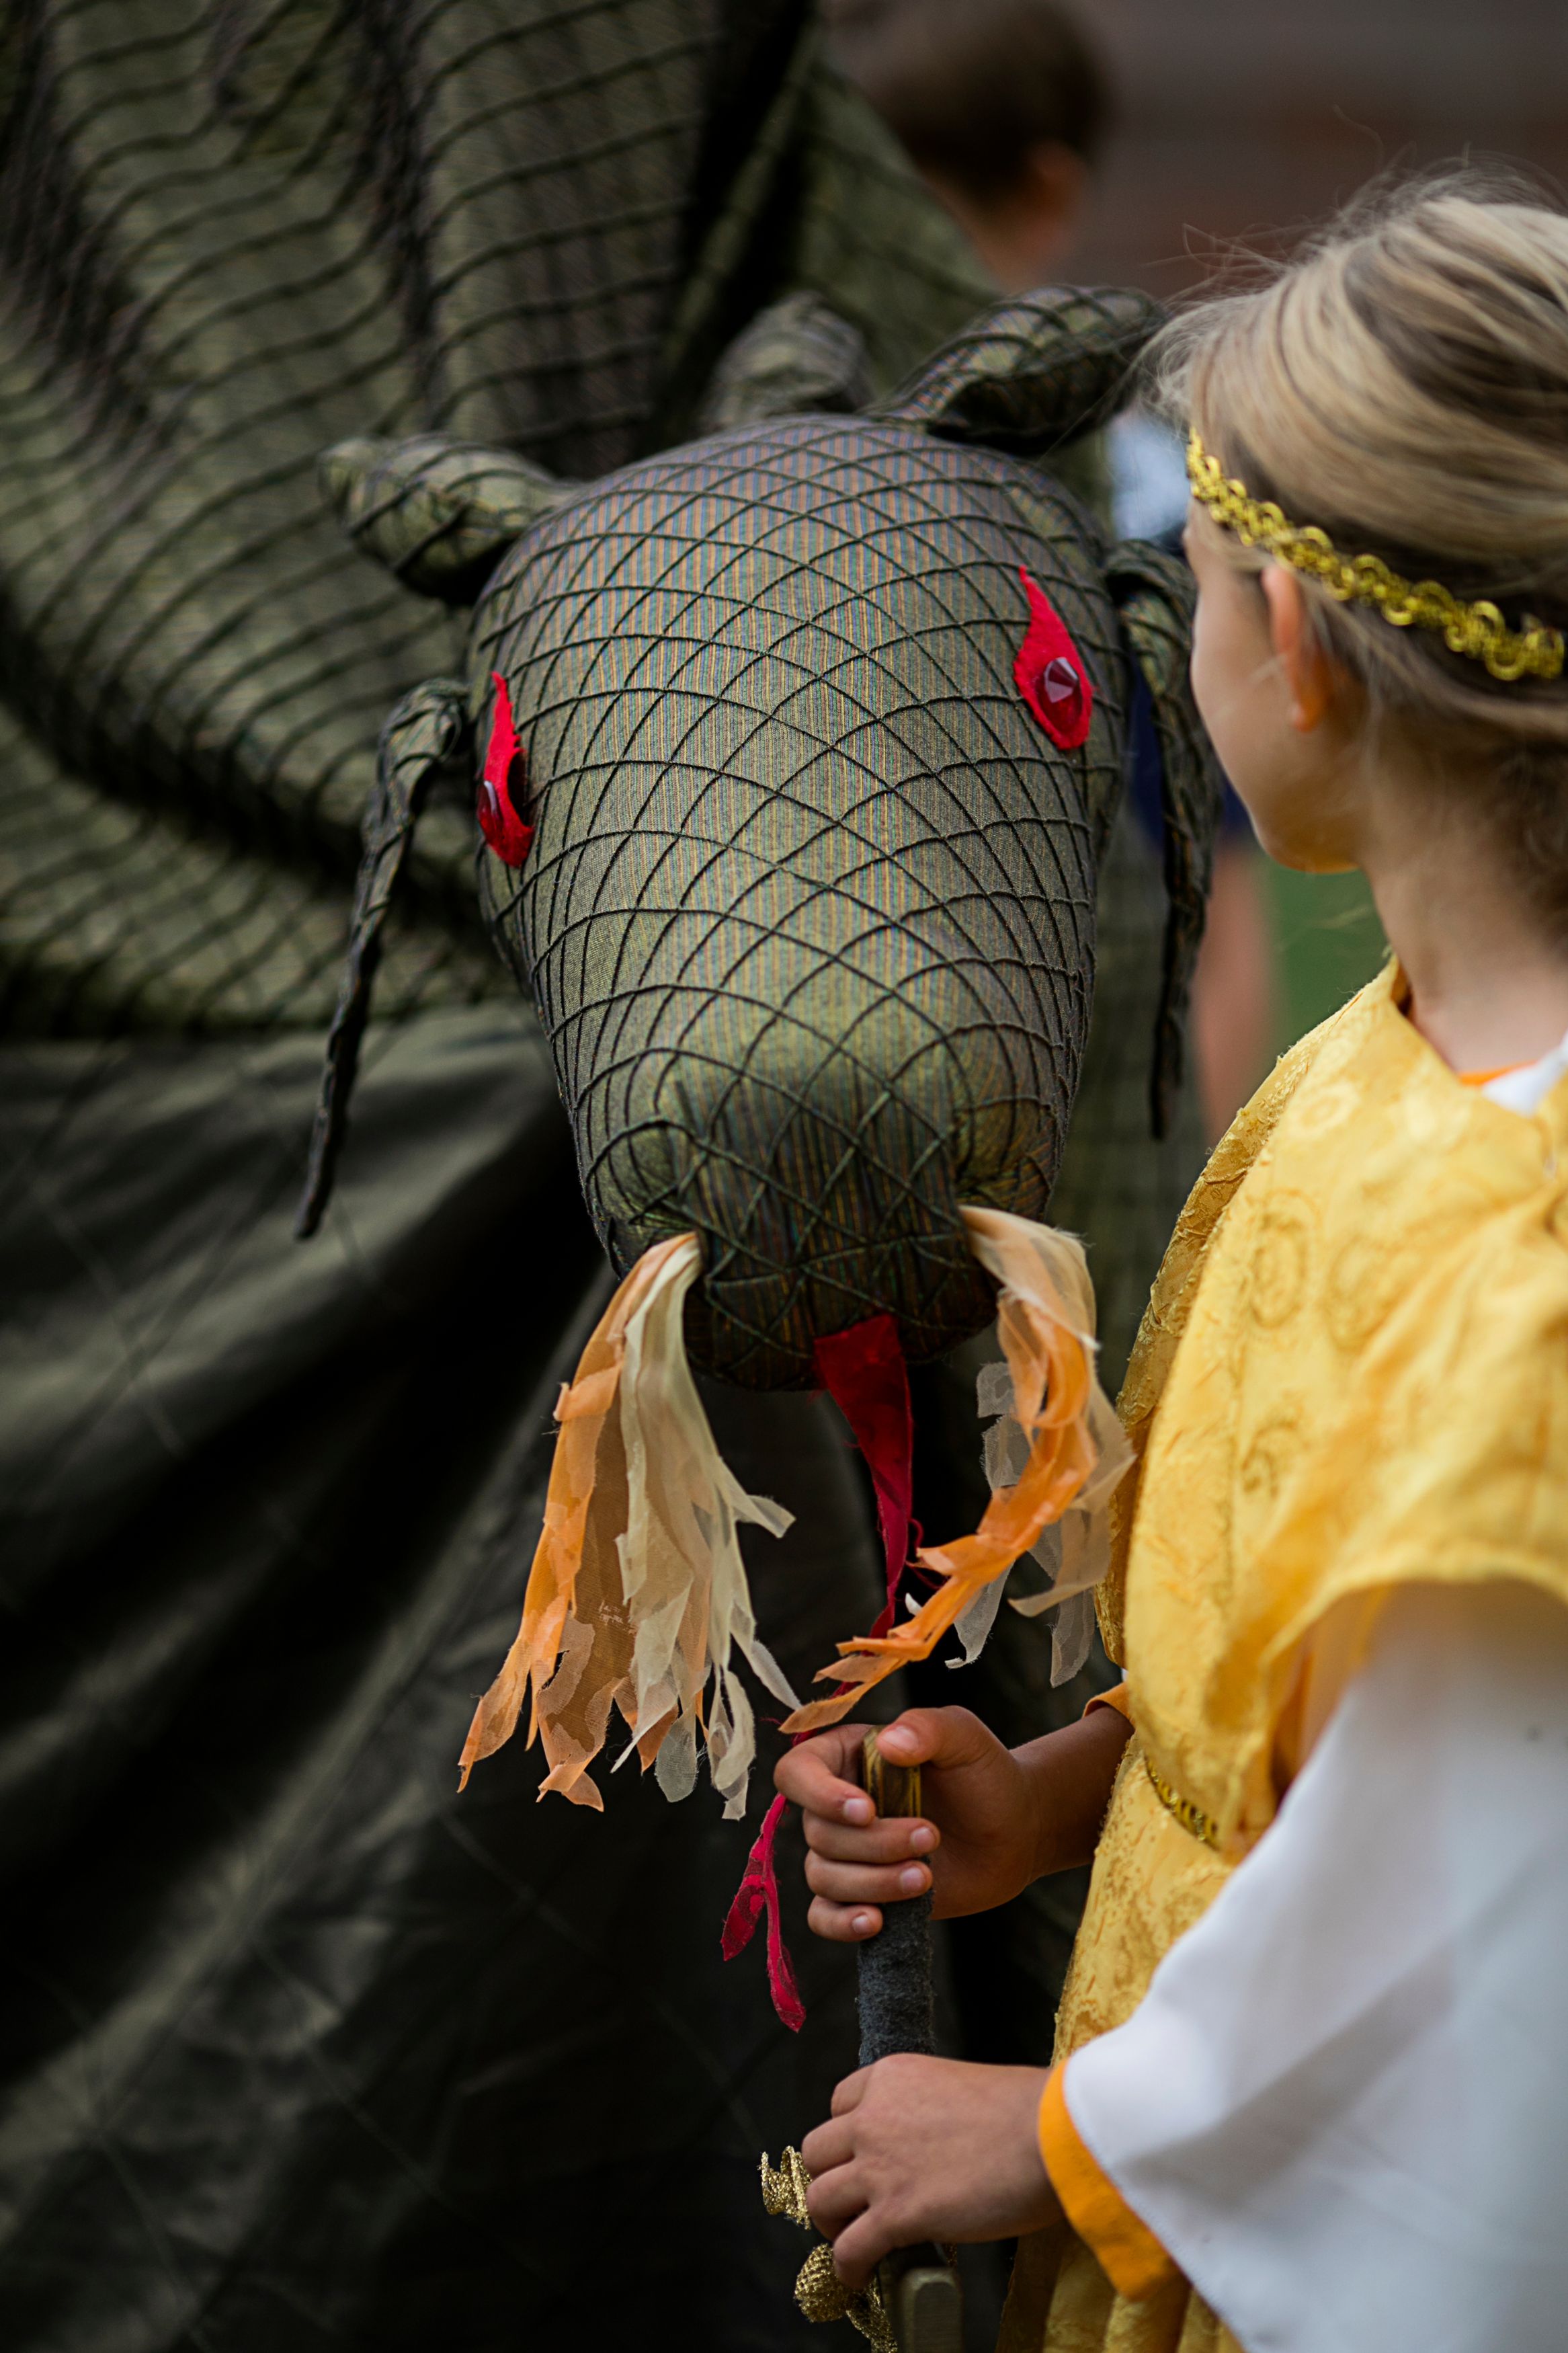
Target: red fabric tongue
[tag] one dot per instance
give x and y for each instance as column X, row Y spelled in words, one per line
column 863, row 1371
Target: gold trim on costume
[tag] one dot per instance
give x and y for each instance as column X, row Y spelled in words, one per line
column 1191, row 1817
column 1478, row 629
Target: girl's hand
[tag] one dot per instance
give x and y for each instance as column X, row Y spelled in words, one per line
column 997, row 1817
column 975, row 1846
column 927, row 2149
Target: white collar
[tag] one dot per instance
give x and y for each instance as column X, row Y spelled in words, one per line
column 1527, row 1088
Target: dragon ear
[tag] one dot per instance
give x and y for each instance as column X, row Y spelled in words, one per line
column 796, row 355
column 439, row 513
column 1155, row 596
column 1034, row 373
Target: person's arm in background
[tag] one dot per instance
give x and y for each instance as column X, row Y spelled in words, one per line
column 1233, row 1015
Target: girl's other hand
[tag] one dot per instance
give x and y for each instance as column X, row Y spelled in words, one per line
column 927, row 2149
column 975, row 1846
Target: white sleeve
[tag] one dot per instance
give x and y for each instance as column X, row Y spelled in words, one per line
column 1343, row 2106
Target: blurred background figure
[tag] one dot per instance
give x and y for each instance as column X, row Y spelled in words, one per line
column 1002, row 104
column 1005, row 107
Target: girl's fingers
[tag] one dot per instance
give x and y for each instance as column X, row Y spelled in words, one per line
column 810, row 1777
column 842, row 1923
column 913, row 1737
column 828, row 2144
column 836, row 2195
column 849, row 2090
column 859, row 2247
column 937, row 1736
column 853, row 1882
column 897, row 1839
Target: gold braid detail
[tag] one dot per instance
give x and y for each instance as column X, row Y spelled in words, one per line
column 1477, row 630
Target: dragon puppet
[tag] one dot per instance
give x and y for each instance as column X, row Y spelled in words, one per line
column 796, row 752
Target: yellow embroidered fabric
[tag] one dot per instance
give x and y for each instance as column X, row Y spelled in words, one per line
column 1369, row 1288
column 1191, row 1817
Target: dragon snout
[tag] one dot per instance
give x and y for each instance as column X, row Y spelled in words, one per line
column 821, row 1150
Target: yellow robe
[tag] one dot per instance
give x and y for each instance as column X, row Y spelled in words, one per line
column 1352, row 1373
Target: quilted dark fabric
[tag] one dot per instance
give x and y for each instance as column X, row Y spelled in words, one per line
column 297, row 2049
column 798, row 355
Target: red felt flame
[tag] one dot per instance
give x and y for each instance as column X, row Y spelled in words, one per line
column 863, row 1370
column 498, row 820
column 1051, row 674
column 757, row 1894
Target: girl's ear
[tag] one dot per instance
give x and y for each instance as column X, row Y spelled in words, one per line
column 1033, row 374
column 1309, row 674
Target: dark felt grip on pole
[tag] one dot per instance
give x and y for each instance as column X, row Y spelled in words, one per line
column 919, row 2285
column 896, row 1997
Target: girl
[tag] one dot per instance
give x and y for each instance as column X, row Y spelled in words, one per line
column 1311, row 2055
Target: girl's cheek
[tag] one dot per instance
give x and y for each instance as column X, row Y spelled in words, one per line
column 1206, row 675
column 1224, row 668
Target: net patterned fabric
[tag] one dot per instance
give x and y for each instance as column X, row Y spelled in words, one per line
column 809, row 915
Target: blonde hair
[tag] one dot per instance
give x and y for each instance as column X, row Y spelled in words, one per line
column 1403, row 384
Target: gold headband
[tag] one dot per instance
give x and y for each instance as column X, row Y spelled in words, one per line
column 1478, row 629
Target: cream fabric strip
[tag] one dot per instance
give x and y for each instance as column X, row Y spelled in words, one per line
column 681, row 1570
column 637, row 1591
column 1075, row 1447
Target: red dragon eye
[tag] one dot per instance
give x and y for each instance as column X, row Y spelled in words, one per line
column 1050, row 673
column 506, row 769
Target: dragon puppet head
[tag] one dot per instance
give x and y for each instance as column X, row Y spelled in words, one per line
column 796, row 749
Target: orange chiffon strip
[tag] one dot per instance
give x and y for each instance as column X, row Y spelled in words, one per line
column 584, row 1407
column 1052, row 1380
